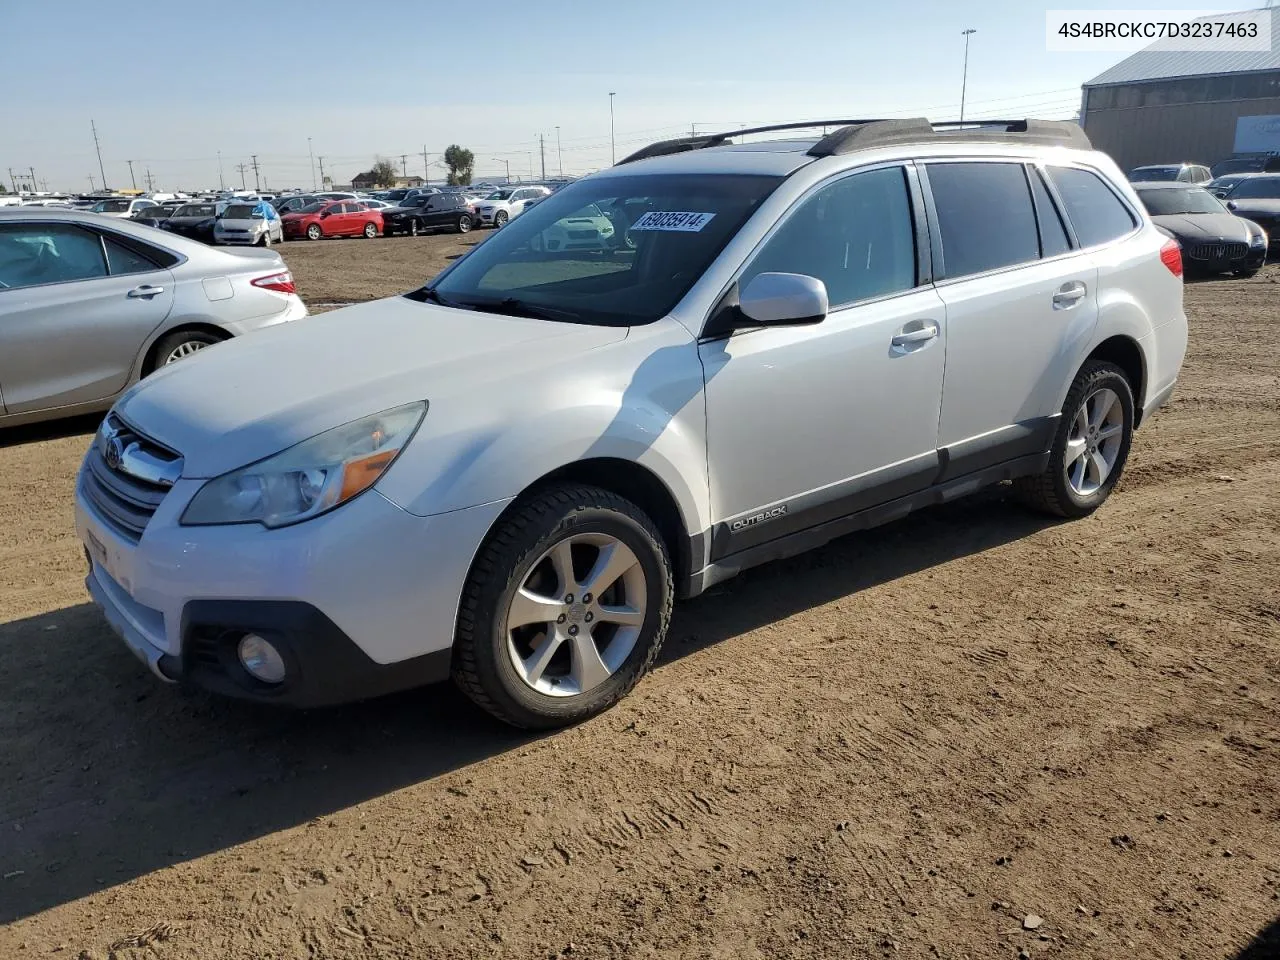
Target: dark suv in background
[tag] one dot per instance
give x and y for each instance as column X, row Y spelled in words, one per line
column 433, row 211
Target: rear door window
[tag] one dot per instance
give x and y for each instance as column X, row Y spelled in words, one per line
column 985, row 216
column 1094, row 210
column 1053, row 236
column 34, row 255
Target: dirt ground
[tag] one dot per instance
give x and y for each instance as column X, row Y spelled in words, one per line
column 911, row 743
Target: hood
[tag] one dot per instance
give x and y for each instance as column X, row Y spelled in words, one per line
column 1247, row 206
column 1201, row 227
column 253, row 396
column 388, row 211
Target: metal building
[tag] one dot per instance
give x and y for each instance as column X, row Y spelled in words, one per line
column 1170, row 107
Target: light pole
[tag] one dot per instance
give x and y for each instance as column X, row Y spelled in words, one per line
column 559, row 155
column 312, row 155
column 964, row 80
column 507, row 163
column 613, row 150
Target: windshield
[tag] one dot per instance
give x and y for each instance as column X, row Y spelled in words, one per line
column 1164, row 203
column 1239, row 165
column 239, row 211
column 196, row 210
column 395, row 194
column 315, row 207
column 1263, row 187
column 500, row 195
column 110, row 206
column 663, row 231
column 1154, row 173
column 153, row 212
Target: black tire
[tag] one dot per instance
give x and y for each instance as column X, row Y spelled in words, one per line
column 413, row 228
column 500, row 218
column 464, row 223
column 482, row 667
column 171, row 343
column 315, row 232
column 370, row 230
column 1050, row 491
column 1246, row 273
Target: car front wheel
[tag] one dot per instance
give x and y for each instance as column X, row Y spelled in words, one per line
column 500, row 218
column 565, row 608
column 1091, row 445
column 314, row 232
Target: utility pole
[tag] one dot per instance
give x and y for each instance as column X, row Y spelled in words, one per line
column 613, row 150
column 559, row 154
column 92, row 187
column 256, row 185
column 151, row 181
column 321, row 160
column 404, row 166
column 242, row 167
column 13, row 181
column 964, row 80
column 222, row 183
column 32, row 171
column 426, row 166
column 132, row 179
column 312, row 155
column 98, row 148
column 542, row 152
column 507, row 164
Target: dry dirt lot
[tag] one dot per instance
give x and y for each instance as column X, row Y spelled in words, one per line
column 903, row 744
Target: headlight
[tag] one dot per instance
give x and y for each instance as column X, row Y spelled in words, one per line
column 1258, row 240
column 309, row 478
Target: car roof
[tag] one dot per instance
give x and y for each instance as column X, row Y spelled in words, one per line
column 1164, row 185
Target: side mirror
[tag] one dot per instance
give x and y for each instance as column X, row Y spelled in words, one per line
column 779, row 299
column 1232, row 205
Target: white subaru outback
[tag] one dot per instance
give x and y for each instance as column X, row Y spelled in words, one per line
column 508, row 475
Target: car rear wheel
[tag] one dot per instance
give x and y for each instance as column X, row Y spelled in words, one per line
column 266, row 239
column 314, row 232
column 464, row 223
column 370, row 230
column 180, row 345
column 565, row 608
column 500, row 218
column 1090, row 448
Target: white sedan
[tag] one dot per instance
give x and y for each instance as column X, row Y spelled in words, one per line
column 506, row 204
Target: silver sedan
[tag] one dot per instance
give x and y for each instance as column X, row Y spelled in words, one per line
column 89, row 305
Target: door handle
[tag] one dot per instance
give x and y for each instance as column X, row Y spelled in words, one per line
column 921, row 332
column 1068, row 295
column 145, row 292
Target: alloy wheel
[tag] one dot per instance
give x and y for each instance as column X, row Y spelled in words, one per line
column 577, row 615
column 1093, row 445
column 182, row 350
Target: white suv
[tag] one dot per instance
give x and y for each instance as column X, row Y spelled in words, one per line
column 507, row 204
column 508, row 475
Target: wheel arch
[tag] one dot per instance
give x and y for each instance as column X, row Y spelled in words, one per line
column 641, row 486
column 196, row 326
column 1126, row 354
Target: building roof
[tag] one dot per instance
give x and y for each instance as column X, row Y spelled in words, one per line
column 1165, row 64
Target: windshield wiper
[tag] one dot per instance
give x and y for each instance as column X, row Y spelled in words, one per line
column 429, row 294
column 514, row 307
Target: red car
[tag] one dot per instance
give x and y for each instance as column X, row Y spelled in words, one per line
column 332, row 218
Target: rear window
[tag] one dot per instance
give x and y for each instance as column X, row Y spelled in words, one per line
column 196, row 210
column 1154, row 173
column 1095, row 212
column 985, row 216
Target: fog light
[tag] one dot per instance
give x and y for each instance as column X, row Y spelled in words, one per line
column 261, row 659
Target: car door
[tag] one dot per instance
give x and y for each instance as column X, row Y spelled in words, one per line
column 433, row 211
column 1020, row 302
column 75, row 310
column 809, row 423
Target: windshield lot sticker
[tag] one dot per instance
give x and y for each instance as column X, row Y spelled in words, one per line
column 673, row 220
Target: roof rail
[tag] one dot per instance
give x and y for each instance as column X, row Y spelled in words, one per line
column 881, row 133
column 854, row 135
column 683, row 144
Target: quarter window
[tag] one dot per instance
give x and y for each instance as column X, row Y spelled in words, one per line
column 855, row 235
column 120, row 259
column 36, row 254
column 1096, row 213
column 985, row 216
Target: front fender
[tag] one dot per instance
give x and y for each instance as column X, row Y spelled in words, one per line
column 639, row 399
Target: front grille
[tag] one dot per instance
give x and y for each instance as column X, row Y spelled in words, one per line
column 126, row 476
column 1219, row 251
column 583, row 234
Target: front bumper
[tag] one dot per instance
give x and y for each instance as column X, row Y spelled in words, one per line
column 234, row 239
column 360, row 601
column 1253, row 260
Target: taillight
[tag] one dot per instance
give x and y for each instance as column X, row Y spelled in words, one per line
column 282, row 282
column 1171, row 257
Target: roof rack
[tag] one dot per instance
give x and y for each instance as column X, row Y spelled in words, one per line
column 854, row 135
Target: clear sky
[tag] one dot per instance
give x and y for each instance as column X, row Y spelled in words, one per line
column 170, row 83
